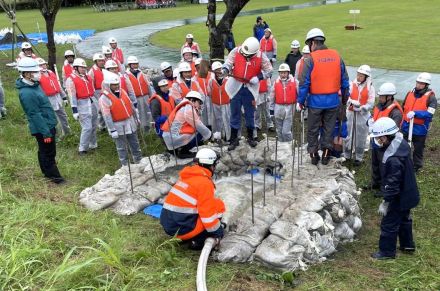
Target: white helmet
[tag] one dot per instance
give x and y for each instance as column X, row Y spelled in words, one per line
column 111, row 78
column 41, row 61
column 284, row 68
column 98, row 56
column 206, row 156
column 306, row 49
column 197, row 61
column 315, row 33
column 216, row 65
column 132, row 60
column 162, row 82
column 250, row 46
column 365, row 69
column 109, row 64
column 295, row 44
column 28, row 65
column 195, row 95
column 186, row 50
column 384, row 126
column 268, row 29
column 164, row 66
column 387, row 89
column 69, row 53
column 112, row 40
column 176, row 72
column 26, row 45
column 106, row 50
column 189, row 35
column 424, row 78
column 184, row 67
column 78, row 62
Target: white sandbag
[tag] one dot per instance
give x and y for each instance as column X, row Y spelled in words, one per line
column 343, row 232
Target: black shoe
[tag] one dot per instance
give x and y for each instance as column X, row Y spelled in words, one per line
column 59, row 180
column 357, row 163
column 315, row 158
column 250, row 137
column 407, row 250
column 379, row 256
column 82, row 153
column 234, row 142
column 195, row 245
column 325, row 157
column 252, row 142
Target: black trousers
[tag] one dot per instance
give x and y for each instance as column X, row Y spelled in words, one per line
column 325, row 118
column 418, row 142
column 376, row 159
column 46, row 156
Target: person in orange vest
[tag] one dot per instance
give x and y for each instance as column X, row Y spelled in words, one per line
column 116, row 51
column 167, row 73
column 187, row 57
column 97, row 76
column 269, row 46
column 183, row 83
column 119, row 115
column 420, row 104
column 203, row 84
column 300, row 63
column 51, row 87
column 190, row 210
column 323, row 76
column 247, row 66
column 112, row 67
column 221, row 112
column 184, row 129
column 387, row 107
column 361, row 101
column 264, row 107
column 108, row 54
column 69, row 56
column 79, row 87
column 26, row 51
column 191, row 44
column 142, row 90
column 161, row 105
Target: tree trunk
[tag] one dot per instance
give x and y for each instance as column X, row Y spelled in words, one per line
column 51, row 47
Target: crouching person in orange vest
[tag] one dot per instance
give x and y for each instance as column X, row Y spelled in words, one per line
column 118, row 112
column 191, row 211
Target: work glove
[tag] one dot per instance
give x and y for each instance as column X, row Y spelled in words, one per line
column 410, row 115
column 254, row 80
column 114, row 134
column 76, row 116
column 299, row 107
column 65, row 102
column 383, row 208
column 217, row 135
column 47, row 140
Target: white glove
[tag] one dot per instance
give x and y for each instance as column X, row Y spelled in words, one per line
column 299, row 107
column 65, row 102
column 254, row 80
column 410, row 115
column 383, row 208
column 75, row 116
column 217, row 135
column 114, row 134
column 273, row 60
column 355, row 103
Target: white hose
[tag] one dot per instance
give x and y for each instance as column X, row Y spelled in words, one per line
column 203, row 260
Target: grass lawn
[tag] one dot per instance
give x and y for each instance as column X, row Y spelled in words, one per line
column 389, row 38
column 49, row 242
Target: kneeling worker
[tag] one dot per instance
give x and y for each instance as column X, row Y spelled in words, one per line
column 191, row 211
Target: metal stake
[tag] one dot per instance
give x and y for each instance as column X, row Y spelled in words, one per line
column 275, row 168
column 264, row 177
column 302, row 135
column 128, row 159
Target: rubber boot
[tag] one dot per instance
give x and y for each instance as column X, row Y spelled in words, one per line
column 325, row 156
column 250, row 139
column 315, row 158
column 234, row 139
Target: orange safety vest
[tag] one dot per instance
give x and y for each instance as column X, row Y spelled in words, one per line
column 193, row 69
column 202, row 83
column 362, row 96
column 98, row 77
column 266, row 45
column 83, row 86
column 140, row 86
column 386, row 112
column 185, row 90
column 49, row 83
column 118, row 55
column 326, row 73
column 68, row 70
column 285, row 94
column 218, row 94
column 123, row 83
column 246, row 69
column 416, row 104
column 186, row 127
column 263, row 86
column 165, row 106
column 121, row 108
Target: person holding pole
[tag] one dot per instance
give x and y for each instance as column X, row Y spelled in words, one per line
column 418, row 108
column 119, row 115
column 361, row 101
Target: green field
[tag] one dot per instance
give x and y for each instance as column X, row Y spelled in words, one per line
column 49, row 242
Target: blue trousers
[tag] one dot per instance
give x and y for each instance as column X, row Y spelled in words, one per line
column 243, row 98
column 397, row 223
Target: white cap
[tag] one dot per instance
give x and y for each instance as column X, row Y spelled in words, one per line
column 186, row 50
column 132, row 60
column 41, row 61
column 162, row 82
column 112, row 40
column 294, row 44
column 106, row 50
column 268, row 29
column 28, row 65
column 284, row 68
column 315, row 33
column 306, row 49
column 69, row 53
column 365, row 69
column 189, row 35
column 98, row 56
column 384, row 126
column 197, row 61
column 26, row 45
column 195, row 95
column 250, row 46
column 110, row 64
column 424, row 78
column 111, row 78
column 78, row 62
column 216, row 65
column 206, row 156
column 387, row 89
column 184, row 67
column 164, row 66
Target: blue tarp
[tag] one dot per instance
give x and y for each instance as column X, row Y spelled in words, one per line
column 153, row 210
column 35, row 37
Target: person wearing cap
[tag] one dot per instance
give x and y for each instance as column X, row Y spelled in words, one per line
column 69, row 56
column 259, row 28
column 398, row 188
column 300, row 63
column 112, row 67
column 419, row 107
column 184, row 129
column 142, row 90
column 187, row 57
column 161, row 105
column 221, row 111
column 79, row 87
column 323, row 77
column 119, row 115
column 191, row 212
column 108, row 54
column 202, row 83
column 191, row 44
column 247, row 66
column 51, row 87
column 40, row 115
column 183, row 83
column 386, row 107
column 269, row 46
column 293, row 56
column 26, row 51
column 97, row 75
column 117, row 53
column 264, row 107
column 360, row 103
column 167, row 73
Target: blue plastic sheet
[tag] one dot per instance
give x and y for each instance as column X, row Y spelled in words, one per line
column 153, row 210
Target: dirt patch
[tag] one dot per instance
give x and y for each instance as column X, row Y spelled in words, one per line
column 243, row 281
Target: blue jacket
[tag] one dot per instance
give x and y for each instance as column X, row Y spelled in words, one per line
column 421, row 129
column 399, row 183
column 37, row 108
column 259, row 30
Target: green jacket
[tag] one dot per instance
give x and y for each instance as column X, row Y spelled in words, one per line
column 37, row 107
